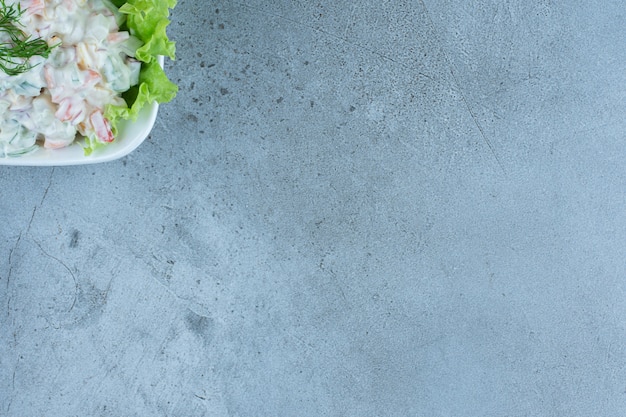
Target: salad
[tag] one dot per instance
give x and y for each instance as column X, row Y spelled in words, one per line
column 73, row 69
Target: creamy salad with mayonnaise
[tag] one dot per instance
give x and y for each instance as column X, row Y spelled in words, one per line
column 91, row 62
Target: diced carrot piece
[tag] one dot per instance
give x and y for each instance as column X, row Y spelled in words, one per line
column 101, row 126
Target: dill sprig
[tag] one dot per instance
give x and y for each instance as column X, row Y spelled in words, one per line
column 19, row 48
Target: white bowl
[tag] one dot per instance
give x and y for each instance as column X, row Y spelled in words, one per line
column 130, row 135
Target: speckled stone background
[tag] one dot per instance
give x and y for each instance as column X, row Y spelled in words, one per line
column 352, row 208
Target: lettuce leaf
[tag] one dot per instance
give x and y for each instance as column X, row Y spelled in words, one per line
column 147, row 20
column 153, row 86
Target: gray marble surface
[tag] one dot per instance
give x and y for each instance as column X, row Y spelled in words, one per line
column 352, row 208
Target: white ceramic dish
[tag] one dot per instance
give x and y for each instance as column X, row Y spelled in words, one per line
column 130, row 136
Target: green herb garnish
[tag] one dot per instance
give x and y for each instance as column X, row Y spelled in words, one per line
column 16, row 48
